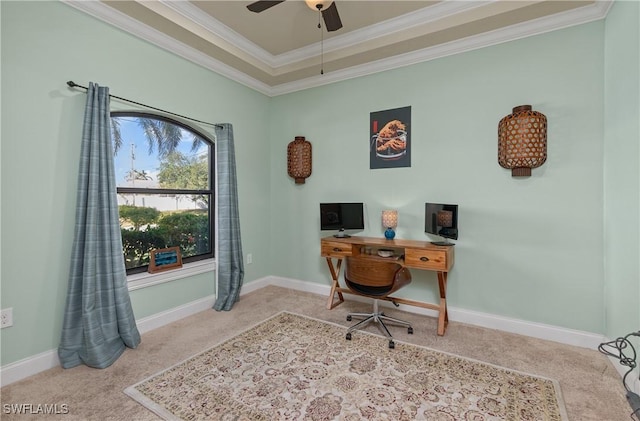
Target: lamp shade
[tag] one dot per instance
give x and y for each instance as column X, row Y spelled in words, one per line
column 445, row 218
column 522, row 141
column 299, row 159
column 389, row 218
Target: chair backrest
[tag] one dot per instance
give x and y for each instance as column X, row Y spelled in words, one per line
column 373, row 273
column 375, row 277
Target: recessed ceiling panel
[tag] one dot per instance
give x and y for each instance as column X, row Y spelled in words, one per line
column 281, row 48
column 292, row 24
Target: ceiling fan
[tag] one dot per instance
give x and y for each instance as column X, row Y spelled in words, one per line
column 328, row 8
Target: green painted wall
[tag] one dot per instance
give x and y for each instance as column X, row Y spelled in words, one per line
column 532, row 249
column 45, row 44
column 622, row 169
column 529, row 248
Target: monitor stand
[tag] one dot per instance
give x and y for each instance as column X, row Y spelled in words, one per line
column 341, row 234
column 446, row 242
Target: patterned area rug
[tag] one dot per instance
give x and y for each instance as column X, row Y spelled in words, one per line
column 292, row 367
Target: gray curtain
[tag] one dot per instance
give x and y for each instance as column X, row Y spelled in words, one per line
column 98, row 318
column 230, row 265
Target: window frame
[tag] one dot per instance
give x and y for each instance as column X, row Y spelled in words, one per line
column 211, row 191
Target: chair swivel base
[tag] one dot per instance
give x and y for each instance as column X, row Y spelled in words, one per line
column 379, row 318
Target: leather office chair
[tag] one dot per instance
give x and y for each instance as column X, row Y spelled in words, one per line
column 375, row 279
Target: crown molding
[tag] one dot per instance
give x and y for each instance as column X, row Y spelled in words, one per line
column 538, row 26
column 585, row 14
column 115, row 18
column 382, row 29
column 215, row 29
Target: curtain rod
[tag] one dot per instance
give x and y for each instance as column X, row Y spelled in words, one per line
column 72, row 84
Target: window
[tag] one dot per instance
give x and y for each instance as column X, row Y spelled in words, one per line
column 164, row 176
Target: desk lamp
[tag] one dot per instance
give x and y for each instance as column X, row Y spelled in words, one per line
column 389, row 221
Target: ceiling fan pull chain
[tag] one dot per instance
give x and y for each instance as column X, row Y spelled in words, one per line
column 321, row 39
column 321, row 52
column 319, row 6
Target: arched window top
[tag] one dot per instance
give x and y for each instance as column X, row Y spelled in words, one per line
column 145, row 143
column 158, row 120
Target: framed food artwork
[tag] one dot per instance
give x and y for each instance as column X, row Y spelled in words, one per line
column 390, row 138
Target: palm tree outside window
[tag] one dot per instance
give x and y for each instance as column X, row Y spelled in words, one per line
column 165, row 185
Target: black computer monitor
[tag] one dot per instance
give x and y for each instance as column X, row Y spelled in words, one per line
column 341, row 217
column 441, row 220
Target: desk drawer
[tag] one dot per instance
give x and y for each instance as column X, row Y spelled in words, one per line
column 426, row 259
column 335, row 249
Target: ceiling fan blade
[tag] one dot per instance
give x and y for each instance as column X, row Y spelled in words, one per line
column 261, row 6
column 332, row 18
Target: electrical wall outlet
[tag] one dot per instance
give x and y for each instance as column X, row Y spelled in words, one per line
column 6, row 319
column 249, row 258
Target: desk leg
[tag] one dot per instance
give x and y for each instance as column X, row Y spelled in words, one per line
column 443, row 318
column 335, row 275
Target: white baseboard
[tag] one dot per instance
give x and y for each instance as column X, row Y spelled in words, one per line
column 155, row 321
column 29, row 366
column 537, row 330
column 633, row 381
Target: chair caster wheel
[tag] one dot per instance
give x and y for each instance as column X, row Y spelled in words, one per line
column 392, row 345
column 349, row 318
column 410, row 330
column 348, row 336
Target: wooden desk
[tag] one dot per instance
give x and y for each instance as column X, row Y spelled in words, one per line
column 410, row 253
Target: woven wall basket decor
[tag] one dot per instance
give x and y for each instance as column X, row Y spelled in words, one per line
column 522, row 141
column 299, row 159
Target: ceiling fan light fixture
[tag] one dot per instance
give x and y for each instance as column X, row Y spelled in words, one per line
column 318, row 5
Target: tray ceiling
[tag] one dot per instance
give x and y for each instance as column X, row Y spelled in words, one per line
column 282, row 50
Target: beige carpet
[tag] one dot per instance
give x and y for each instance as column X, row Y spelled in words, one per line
column 591, row 387
column 292, row 367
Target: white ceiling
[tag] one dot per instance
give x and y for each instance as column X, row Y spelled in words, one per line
column 280, row 49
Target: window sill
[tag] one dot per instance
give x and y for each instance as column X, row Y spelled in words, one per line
column 143, row 280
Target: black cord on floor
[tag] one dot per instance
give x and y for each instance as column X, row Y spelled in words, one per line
column 618, row 349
